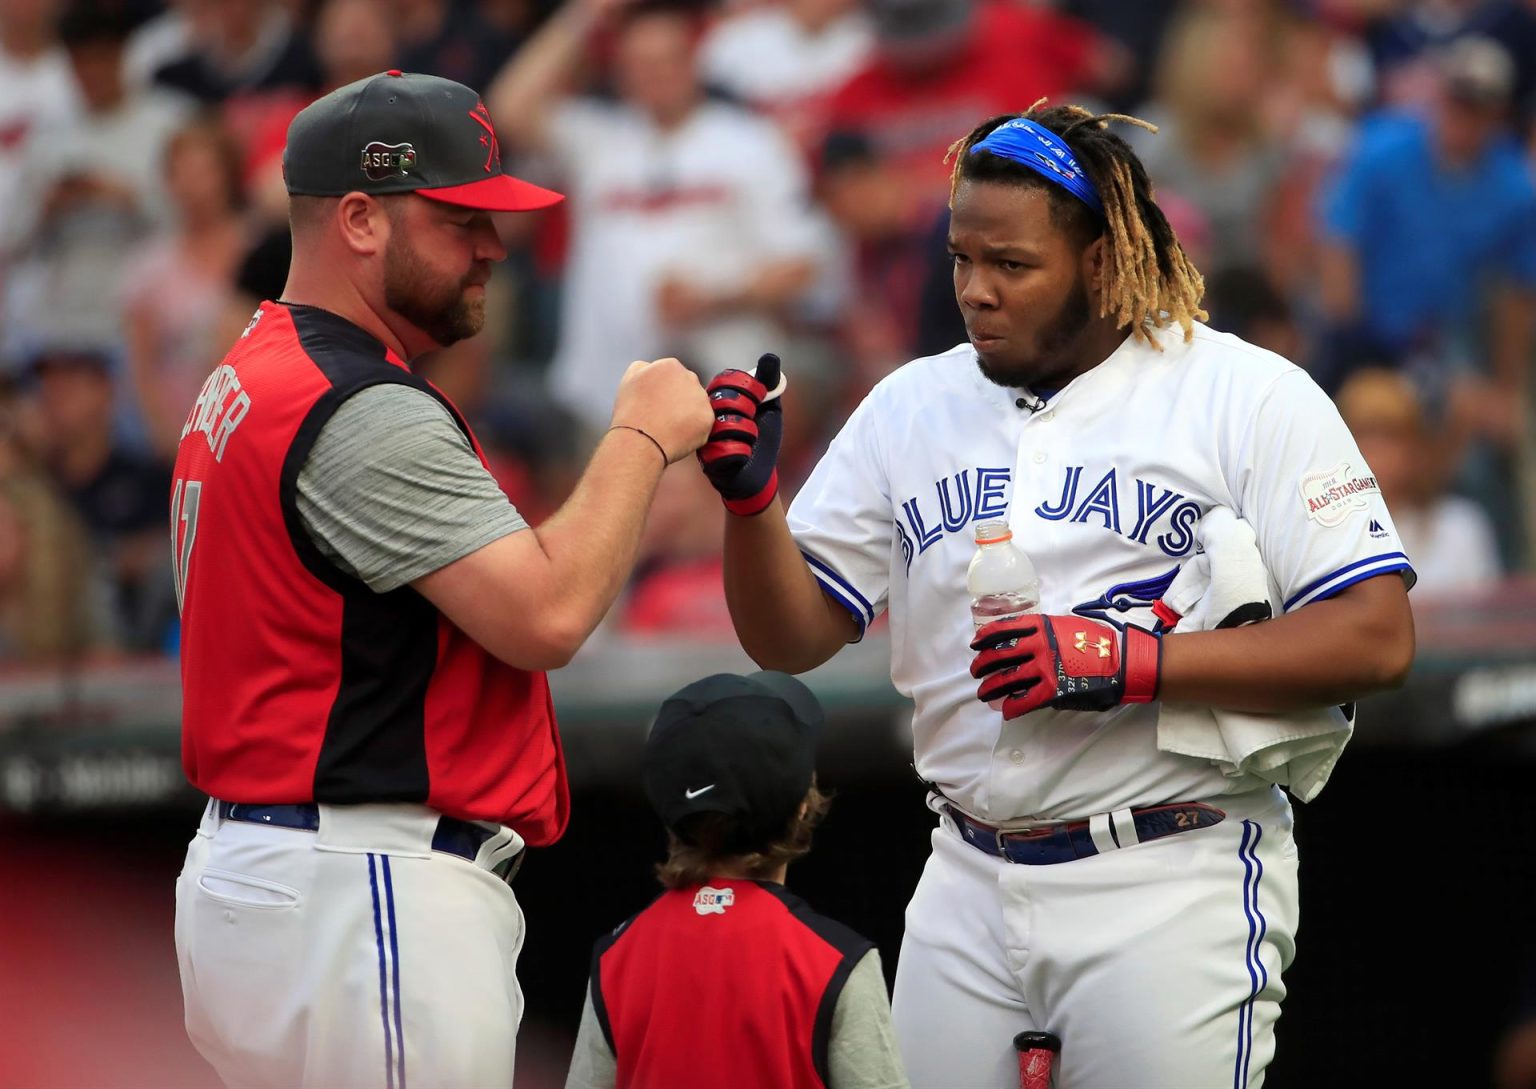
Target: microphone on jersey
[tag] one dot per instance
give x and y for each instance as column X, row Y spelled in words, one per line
column 1034, row 405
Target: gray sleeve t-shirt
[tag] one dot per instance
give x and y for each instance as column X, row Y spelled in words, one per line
column 392, row 511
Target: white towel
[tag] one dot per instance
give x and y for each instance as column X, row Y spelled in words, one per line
column 1221, row 585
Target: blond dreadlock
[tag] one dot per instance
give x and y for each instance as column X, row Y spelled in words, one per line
column 1149, row 281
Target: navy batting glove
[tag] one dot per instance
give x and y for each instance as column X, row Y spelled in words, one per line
column 742, row 455
column 1066, row 662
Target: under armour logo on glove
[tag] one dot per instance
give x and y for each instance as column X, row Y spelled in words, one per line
column 1067, row 662
column 741, row 457
column 1101, row 645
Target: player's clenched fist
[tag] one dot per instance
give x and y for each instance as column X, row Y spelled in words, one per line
column 742, row 455
column 663, row 399
column 1066, row 662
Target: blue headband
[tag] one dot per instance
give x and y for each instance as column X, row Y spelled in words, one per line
column 1037, row 147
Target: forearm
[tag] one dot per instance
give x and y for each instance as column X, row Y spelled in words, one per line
column 775, row 286
column 522, row 94
column 1329, row 652
column 593, row 540
column 782, row 617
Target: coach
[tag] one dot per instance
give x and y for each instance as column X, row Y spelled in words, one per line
column 366, row 619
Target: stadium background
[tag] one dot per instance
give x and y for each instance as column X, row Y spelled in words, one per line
column 141, row 217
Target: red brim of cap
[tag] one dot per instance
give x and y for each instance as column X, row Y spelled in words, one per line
column 500, row 193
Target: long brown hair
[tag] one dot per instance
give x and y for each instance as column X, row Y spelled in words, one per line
column 706, row 853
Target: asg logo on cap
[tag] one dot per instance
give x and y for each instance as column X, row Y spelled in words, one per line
column 381, row 160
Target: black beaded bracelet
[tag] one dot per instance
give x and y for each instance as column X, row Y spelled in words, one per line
column 665, row 461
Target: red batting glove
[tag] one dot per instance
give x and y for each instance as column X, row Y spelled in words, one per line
column 741, row 457
column 1066, row 662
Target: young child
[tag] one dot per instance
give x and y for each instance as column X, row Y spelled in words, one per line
column 728, row 978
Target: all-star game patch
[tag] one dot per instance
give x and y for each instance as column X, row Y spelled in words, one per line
column 1332, row 495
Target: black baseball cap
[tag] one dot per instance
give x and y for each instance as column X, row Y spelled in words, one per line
column 402, row 132
column 742, row 746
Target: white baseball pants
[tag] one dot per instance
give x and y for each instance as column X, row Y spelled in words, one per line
column 354, row 956
column 1158, row 965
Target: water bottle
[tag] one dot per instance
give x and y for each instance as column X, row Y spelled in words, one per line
column 1001, row 579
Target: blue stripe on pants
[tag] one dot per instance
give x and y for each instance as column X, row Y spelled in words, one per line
column 394, row 952
column 1258, row 927
column 378, row 938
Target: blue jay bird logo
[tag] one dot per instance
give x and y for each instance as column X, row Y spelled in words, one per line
column 1112, row 606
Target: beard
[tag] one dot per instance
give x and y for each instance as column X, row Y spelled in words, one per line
column 436, row 306
column 1054, row 356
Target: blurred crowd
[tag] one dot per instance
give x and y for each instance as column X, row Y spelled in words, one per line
column 1355, row 178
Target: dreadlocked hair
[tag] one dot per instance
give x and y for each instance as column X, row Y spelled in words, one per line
column 1149, row 281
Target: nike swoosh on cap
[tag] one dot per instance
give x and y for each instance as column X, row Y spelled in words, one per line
column 692, row 794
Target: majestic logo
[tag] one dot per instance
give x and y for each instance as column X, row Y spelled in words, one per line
column 382, row 161
column 1377, row 529
column 708, row 901
column 482, row 117
column 1333, row 495
column 1101, row 644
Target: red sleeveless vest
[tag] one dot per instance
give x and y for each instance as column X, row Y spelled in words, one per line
column 731, row 983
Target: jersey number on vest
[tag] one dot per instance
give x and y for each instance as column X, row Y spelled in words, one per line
column 184, row 503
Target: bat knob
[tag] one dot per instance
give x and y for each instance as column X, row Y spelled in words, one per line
column 1033, row 1041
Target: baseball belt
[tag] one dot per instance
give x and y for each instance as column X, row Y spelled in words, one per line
column 453, row 836
column 1067, row 841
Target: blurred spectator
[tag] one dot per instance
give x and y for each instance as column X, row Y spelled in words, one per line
column 1404, row 44
column 1449, row 538
column 785, row 58
column 120, row 495
column 691, row 226
column 88, row 191
column 179, row 284
column 941, row 66
column 1430, row 225
column 37, row 88
column 892, row 250
column 678, row 586
column 1213, row 147
column 49, row 614
column 1246, row 303
column 159, row 40
column 1324, row 84
column 450, row 38
column 1138, row 25
column 353, row 39
column 239, row 46
column 533, row 445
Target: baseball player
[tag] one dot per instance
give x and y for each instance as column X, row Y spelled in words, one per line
column 728, row 978
column 366, row 619
column 1140, row 905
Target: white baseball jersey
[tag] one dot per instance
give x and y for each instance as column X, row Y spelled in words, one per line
column 709, row 202
column 1103, row 488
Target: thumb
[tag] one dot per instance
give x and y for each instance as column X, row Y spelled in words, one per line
column 768, row 371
